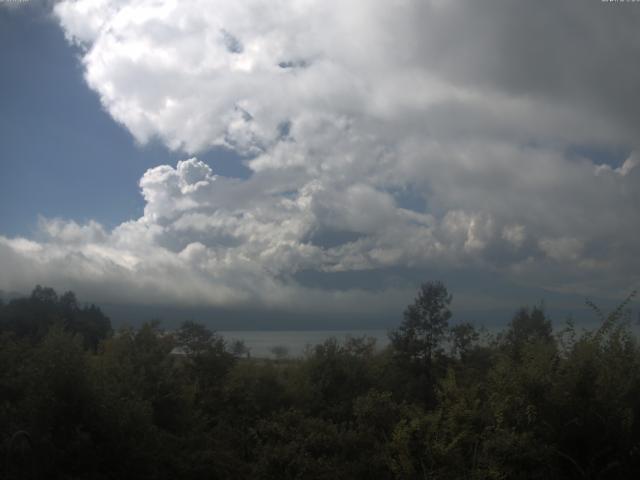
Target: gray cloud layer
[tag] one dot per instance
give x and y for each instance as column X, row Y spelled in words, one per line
column 407, row 134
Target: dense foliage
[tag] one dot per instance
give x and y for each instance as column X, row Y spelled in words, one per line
column 441, row 402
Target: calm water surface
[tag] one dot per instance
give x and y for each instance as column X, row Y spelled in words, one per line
column 296, row 341
column 261, row 342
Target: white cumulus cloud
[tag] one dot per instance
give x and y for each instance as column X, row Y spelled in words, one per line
column 403, row 134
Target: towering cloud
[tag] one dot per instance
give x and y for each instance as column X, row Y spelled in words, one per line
column 379, row 135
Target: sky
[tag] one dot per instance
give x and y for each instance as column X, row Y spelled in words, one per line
column 315, row 160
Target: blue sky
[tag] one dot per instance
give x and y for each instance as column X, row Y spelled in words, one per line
column 61, row 154
column 144, row 159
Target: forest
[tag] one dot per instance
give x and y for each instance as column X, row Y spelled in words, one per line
column 442, row 401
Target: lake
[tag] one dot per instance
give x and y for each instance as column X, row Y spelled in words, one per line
column 261, row 342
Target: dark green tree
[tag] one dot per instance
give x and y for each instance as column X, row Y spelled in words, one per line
column 206, row 362
column 32, row 317
column 419, row 337
column 337, row 373
column 527, row 327
column 463, row 338
column 417, row 343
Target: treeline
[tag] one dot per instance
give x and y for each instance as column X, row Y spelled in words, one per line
column 78, row 401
